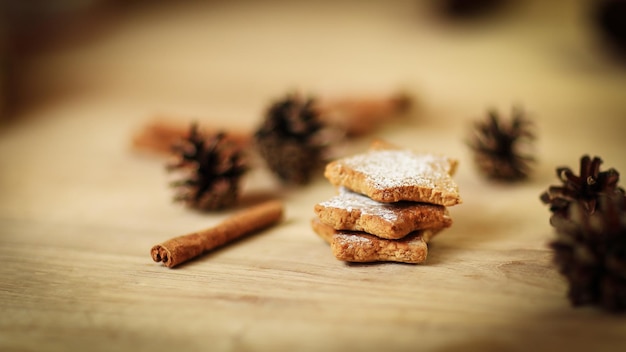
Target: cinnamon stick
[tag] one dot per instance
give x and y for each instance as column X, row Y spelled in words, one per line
column 160, row 135
column 361, row 115
column 183, row 248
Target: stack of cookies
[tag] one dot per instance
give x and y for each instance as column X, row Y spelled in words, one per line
column 390, row 202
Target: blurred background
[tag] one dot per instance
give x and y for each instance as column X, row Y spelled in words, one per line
column 229, row 57
column 79, row 210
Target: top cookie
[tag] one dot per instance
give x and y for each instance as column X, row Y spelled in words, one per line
column 387, row 174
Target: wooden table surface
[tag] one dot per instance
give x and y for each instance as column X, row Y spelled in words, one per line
column 80, row 208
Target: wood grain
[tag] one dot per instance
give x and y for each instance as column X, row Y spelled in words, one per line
column 80, row 209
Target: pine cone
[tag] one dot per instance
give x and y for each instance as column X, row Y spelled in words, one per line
column 585, row 188
column 590, row 251
column 608, row 18
column 499, row 147
column 213, row 168
column 289, row 139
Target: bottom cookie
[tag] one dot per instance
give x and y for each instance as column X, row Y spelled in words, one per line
column 352, row 246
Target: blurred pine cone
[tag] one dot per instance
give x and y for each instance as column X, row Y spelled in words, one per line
column 289, row 139
column 213, row 168
column 499, row 146
column 590, row 251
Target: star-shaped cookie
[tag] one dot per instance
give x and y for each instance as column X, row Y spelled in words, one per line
column 351, row 246
column 355, row 212
column 387, row 174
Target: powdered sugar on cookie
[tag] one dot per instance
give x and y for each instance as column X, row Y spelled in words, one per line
column 392, row 175
column 356, row 212
column 400, row 168
column 351, row 201
column 390, row 203
column 355, row 247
